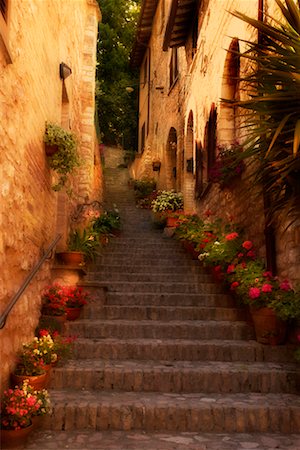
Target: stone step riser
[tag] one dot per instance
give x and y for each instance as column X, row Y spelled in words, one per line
column 167, row 330
column 176, row 288
column 146, row 260
column 182, row 380
column 160, row 313
column 214, row 300
column 115, row 269
column 180, row 351
column 173, row 417
column 148, row 277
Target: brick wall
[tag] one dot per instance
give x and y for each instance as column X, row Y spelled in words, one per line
column 41, row 34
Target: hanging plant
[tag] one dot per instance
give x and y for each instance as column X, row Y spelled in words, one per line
column 65, row 158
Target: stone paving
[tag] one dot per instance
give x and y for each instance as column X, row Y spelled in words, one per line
column 84, row 439
column 116, row 440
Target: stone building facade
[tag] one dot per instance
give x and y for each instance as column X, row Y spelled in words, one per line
column 184, row 51
column 35, row 38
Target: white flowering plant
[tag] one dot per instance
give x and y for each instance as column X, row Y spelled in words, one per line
column 168, row 201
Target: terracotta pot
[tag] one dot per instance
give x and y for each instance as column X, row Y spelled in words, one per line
column 38, row 382
column 269, row 329
column 217, row 274
column 73, row 313
column 48, row 368
column 51, row 149
column 15, row 438
column 190, row 248
column 173, row 222
column 71, row 258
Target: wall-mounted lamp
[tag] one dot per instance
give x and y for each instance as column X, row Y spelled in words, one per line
column 64, row 71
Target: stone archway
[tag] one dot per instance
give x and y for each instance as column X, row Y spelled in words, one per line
column 171, row 160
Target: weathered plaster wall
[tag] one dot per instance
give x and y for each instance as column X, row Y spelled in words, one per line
column 42, row 34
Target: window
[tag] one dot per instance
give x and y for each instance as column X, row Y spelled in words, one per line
column 145, row 71
column 199, row 170
column 173, row 67
column 211, row 140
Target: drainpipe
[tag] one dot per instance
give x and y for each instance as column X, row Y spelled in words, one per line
column 269, row 231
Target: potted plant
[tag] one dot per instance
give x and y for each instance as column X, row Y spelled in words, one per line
column 108, row 223
column 82, row 246
column 30, row 366
column 76, row 298
column 65, row 157
column 272, row 302
column 54, row 301
column 19, row 406
column 168, row 201
column 63, row 345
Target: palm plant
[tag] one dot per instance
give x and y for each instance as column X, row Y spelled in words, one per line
column 272, row 108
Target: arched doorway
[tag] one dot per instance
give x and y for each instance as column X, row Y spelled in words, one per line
column 171, row 161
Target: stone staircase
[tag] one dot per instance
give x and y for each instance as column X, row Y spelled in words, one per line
column 163, row 350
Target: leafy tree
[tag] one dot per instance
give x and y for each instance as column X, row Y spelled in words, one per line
column 272, row 110
column 117, row 108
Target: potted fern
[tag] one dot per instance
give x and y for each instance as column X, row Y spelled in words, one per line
column 61, row 149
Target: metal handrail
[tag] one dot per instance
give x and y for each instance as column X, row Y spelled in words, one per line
column 34, row 270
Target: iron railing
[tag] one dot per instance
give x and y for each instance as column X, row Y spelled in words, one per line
column 26, row 282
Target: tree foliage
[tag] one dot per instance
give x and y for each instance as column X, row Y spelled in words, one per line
column 117, row 108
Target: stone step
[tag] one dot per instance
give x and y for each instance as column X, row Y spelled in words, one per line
column 167, row 299
column 150, row 277
column 162, row 287
column 178, row 376
column 146, row 259
column 138, row 439
column 181, row 350
column 144, row 269
column 160, row 330
column 244, row 413
column 166, row 313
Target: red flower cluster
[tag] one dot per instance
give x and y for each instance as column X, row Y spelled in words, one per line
column 56, row 298
column 18, row 407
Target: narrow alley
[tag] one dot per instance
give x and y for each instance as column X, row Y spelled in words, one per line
column 164, row 359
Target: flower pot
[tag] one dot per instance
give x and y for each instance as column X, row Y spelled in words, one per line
column 15, row 438
column 173, row 222
column 73, row 313
column 190, row 248
column 269, row 329
column 71, row 258
column 51, row 149
column 38, row 382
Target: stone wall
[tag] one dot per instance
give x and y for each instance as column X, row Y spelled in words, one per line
column 202, row 82
column 40, row 35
